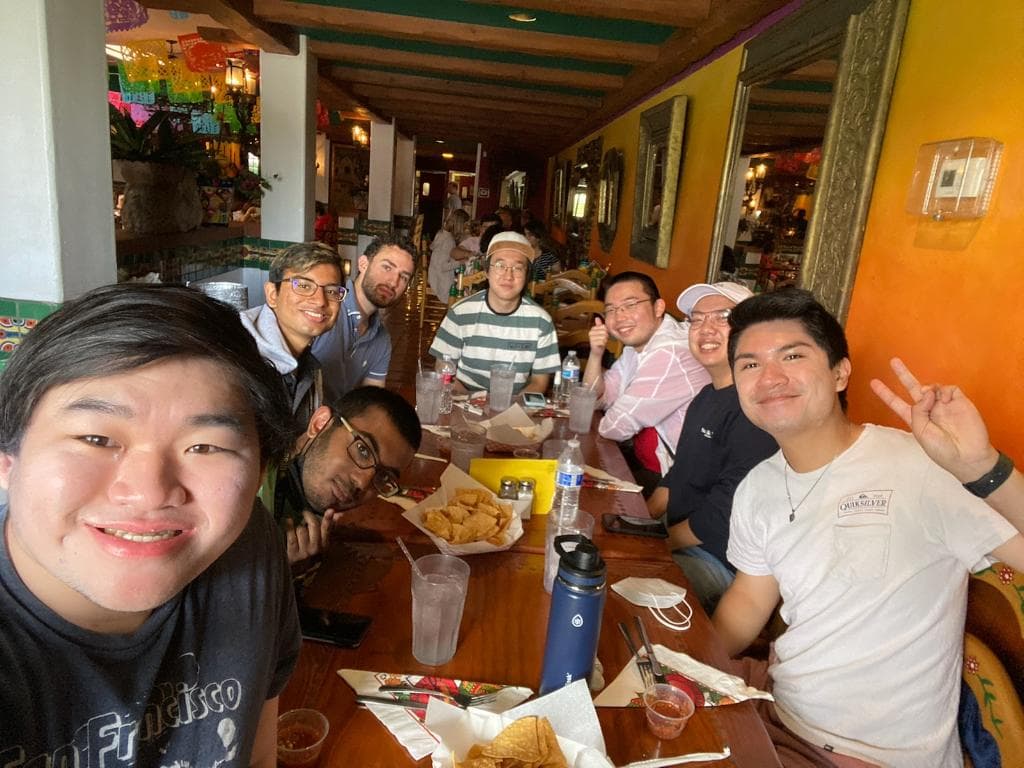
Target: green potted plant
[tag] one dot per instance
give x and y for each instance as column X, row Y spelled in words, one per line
column 158, row 165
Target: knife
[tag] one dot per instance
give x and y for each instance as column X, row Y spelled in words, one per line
column 656, row 668
column 393, row 702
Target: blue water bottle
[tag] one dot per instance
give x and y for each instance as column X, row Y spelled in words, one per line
column 574, row 624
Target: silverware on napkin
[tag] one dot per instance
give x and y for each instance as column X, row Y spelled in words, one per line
column 656, row 668
column 462, row 699
column 693, row 757
column 408, row 703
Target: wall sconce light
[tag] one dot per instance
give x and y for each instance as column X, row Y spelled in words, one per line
column 761, row 170
column 360, row 136
column 234, row 75
column 579, row 203
column 954, row 179
column 447, row 155
column 425, row 191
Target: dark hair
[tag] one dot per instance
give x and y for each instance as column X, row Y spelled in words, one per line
column 791, row 303
column 119, row 328
column 646, row 282
column 357, row 401
column 489, row 233
column 300, row 257
column 394, row 240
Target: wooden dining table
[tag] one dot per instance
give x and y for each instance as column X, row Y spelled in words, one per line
column 501, row 641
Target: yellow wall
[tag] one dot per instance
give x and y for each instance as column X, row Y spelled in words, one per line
column 709, row 95
column 953, row 314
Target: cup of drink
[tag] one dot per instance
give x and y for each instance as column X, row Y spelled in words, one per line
column 503, row 379
column 468, row 442
column 439, row 584
column 582, row 400
column 428, row 396
column 300, row 737
column 668, row 710
column 583, row 523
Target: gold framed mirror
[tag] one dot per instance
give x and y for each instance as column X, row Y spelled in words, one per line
column 659, row 157
column 608, row 198
column 860, row 41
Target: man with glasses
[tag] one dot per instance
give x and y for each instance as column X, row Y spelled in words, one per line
column 303, row 294
column 350, row 451
column 500, row 325
column 717, row 447
column 646, row 392
column 357, row 350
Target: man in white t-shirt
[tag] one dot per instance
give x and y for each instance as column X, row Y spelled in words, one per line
column 868, row 543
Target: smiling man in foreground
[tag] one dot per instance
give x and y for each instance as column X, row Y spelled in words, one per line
column 134, row 425
column 868, row 543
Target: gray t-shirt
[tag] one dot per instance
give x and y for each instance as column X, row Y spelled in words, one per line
column 184, row 691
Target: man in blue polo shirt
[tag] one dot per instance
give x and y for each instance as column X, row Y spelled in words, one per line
column 357, row 350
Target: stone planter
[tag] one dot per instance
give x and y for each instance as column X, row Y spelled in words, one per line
column 159, row 198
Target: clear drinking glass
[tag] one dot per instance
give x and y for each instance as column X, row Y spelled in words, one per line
column 438, row 597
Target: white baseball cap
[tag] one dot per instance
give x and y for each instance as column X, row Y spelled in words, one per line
column 511, row 241
column 732, row 291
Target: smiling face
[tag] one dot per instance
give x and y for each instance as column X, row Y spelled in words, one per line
column 631, row 315
column 506, row 278
column 383, row 279
column 709, row 340
column 784, row 381
column 303, row 318
column 126, row 487
column 331, row 479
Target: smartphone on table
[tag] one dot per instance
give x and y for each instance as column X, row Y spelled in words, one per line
column 346, row 630
column 634, row 526
column 534, row 400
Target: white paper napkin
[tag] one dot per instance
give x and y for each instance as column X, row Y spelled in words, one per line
column 406, row 724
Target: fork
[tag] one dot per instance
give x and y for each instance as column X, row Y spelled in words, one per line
column 462, row 699
column 643, row 664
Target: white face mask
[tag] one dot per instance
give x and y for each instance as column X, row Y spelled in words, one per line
column 658, row 595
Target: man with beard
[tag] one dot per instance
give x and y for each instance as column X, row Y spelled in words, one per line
column 357, row 350
column 350, row 452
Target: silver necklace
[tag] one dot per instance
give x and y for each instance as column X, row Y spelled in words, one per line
column 785, row 477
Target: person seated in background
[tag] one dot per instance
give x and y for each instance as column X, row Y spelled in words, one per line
column 445, row 255
column 357, row 350
column 304, row 293
column 135, row 423
column 500, row 325
column 717, row 447
column 646, row 392
column 350, row 452
column 867, row 541
column 950, row 429
column 490, row 225
column 546, row 260
column 325, row 227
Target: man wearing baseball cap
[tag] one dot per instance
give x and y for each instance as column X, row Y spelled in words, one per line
column 500, row 325
column 717, row 447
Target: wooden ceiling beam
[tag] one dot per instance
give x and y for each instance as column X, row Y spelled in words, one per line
column 459, row 87
column 518, row 73
column 238, row 16
column 490, row 134
column 335, row 95
column 761, row 117
column 674, row 13
column 453, row 32
column 773, row 96
column 725, row 20
column 475, row 102
column 495, row 126
column 222, row 35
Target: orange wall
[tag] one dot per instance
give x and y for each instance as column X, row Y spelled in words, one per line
column 709, row 93
column 953, row 314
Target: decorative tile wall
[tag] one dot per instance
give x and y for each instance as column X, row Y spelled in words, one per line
column 17, row 318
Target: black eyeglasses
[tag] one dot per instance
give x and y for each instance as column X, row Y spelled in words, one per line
column 362, row 452
column 303, row 286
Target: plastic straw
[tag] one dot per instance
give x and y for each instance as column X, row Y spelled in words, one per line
column 408, row 556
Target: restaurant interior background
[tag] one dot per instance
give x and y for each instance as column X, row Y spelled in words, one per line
column 943, row 295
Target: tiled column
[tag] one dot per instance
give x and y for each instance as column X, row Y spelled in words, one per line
column 56, row 200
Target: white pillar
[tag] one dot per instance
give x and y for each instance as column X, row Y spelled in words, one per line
column 56, row 199
column 405, row 176
column 382, row 173
column 288, row 143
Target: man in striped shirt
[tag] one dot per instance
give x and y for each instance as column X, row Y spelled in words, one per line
column 500, row 325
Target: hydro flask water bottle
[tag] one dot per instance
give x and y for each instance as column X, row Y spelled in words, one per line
column 574, row 623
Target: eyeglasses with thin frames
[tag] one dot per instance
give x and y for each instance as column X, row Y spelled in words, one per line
column 362, row 452
column 626, row 307
column 719, row 317
column 516, row 269
column 303, row 286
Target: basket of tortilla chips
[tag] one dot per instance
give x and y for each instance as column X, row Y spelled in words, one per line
column 464, row 518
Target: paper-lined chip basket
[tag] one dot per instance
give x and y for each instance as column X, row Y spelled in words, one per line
column 452, row 479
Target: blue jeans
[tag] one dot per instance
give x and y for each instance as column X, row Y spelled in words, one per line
column 708, row 576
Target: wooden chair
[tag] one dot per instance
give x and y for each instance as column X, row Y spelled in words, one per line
column 579, row 315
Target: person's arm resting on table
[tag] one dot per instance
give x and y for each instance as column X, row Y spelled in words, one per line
column 264, row 748
column 744, row 610
column 538, row 382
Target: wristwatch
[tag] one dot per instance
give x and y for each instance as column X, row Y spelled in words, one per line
column 992, row 479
